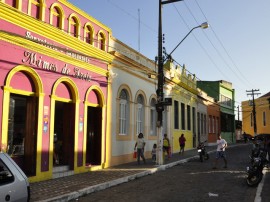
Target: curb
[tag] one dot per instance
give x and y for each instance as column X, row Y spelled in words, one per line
column 105, row 185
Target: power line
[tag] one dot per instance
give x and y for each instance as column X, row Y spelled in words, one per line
column 227, row 53
column 204, row 49
column 132, row 16
column 212, row 44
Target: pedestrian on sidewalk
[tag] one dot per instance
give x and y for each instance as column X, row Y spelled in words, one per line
column 140, row 143
column 221, row 145
column 166, row 146
column 154, row 153
column 245, row 137
column 182, row 143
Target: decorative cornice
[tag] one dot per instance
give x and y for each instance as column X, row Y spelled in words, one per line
column 52, row 33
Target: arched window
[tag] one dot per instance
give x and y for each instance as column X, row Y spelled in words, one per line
column 74, row 27
column 35, row 9
column 124, row 112
column 102, row 41
column 140, row 115
column 153, row 117
column 89, row 34
column 56, row 17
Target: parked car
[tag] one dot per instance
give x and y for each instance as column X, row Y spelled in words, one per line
column 14, row 185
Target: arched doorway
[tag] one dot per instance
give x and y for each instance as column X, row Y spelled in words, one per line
column 21, row 112
column 94, row 128
column 94, row 136
column 22, row 132
column 64, row 108
column 64, row 120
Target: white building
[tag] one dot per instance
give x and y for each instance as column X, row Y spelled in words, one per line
column 133, row 98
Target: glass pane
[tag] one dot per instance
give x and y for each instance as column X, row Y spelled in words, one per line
column 16, row 125
column 5, row 174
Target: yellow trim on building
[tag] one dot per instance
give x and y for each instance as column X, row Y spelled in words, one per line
column 49, row 32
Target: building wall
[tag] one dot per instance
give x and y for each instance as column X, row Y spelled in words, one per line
column 213, row 110
column 47, row 65
column 181, row 87
column 262, row 116
column 212, row 115
column 130, row 71
column 202, row 120
column 224, row 94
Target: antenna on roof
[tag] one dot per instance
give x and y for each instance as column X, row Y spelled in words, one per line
column 139, row 30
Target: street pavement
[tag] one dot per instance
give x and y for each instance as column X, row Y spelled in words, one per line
column 72, row 187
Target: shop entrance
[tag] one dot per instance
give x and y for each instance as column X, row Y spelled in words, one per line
column 22, row 132
column 64, row 119
column 94, row 136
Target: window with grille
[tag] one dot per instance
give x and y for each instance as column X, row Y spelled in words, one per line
column 176, row 114
column 140, row 114
column 153, row 118
column 183, row 116
column 124, row 113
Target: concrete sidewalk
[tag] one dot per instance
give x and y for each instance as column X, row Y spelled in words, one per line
column 72, row 187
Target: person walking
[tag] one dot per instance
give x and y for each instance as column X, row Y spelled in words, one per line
column 140, row 143
column 245, row 137
column 154, row 153
column 182, row 143
column 166, row 146
column 221, row 145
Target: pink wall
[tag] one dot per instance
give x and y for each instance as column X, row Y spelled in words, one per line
column 11, row 56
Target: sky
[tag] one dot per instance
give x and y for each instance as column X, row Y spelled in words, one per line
column 235, row 48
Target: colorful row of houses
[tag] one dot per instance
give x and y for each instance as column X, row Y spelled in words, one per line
column 74, row 98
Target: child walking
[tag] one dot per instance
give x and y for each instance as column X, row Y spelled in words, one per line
column 154, row 153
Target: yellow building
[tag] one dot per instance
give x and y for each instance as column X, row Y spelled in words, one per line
column 181, row 87
column 262, row 112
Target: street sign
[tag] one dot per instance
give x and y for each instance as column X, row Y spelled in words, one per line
column 167, row 101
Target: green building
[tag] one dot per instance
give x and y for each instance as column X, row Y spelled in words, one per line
column 224, row 94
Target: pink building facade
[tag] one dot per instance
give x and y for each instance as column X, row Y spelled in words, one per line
column 54, row 87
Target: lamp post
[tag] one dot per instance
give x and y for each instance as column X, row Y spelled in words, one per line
column 204, row 25
column 160, row 94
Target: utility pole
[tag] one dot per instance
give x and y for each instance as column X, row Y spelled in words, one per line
column 252, row 93
column 160, row 94
column 238, row 113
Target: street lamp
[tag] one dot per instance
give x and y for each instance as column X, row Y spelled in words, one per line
column 204, row 25
column 160, row 94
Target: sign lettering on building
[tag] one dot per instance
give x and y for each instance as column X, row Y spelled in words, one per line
column 32, row 59
column 44, row 42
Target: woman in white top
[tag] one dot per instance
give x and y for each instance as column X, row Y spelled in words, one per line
column 140, row 143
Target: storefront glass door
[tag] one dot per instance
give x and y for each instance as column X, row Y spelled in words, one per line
column 22, row 132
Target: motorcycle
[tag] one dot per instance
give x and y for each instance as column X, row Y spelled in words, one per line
column 257, row 162
column 202, row 151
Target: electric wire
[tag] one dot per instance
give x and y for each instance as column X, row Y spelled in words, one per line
column 209, row 56
column 206, row 52
column 132, row 16
column 225, row 50
column 218, row 52
column 242, row 78
column 212, row 44
column 97, row 41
